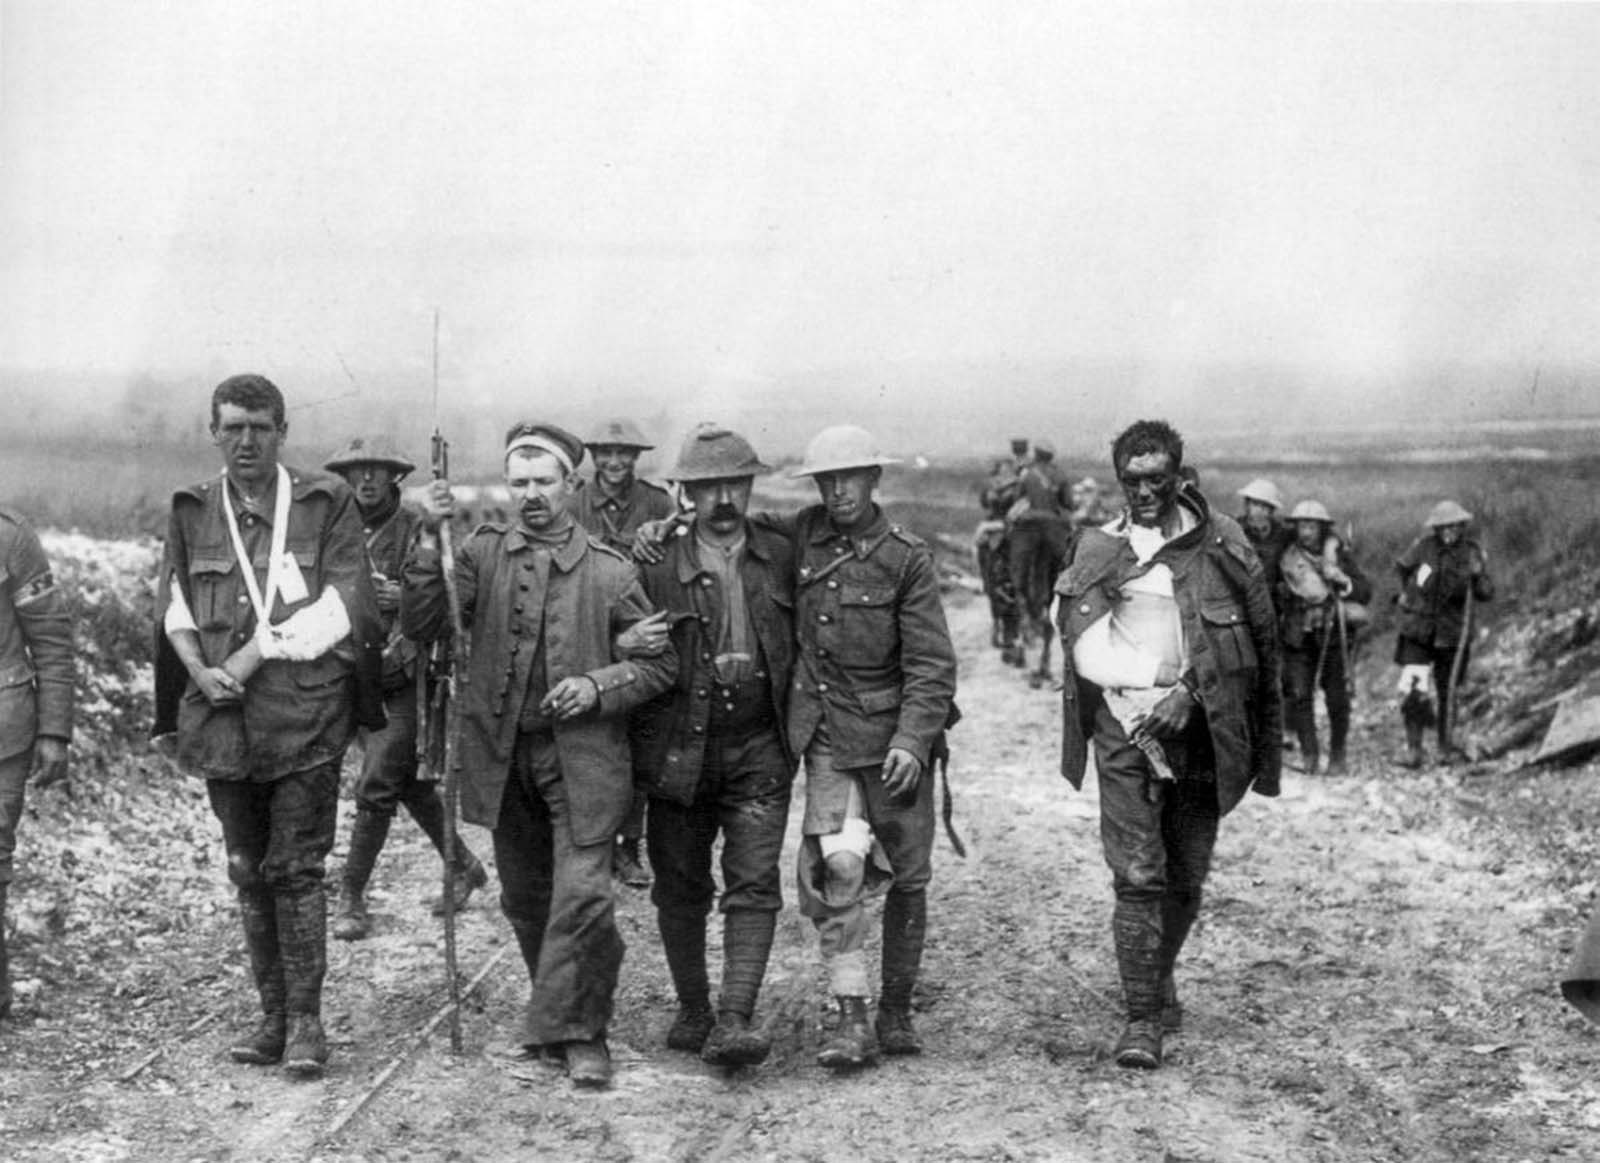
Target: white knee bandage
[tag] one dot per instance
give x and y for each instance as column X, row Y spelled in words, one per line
column 854, row 837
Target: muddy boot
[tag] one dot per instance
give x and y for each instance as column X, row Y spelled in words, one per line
column 746, row 945
column 626, row 865
column 1412, row 756
column 589, row 1063
column 351, row 921
column 303, row 939
column 1136, row 926
column 905, row 929
column 262, row 1046
column 683, row 939
column 1178, row 913
column 5, row 961
column 853, row 1043
column 469, row 874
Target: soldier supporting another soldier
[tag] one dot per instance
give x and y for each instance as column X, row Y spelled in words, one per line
column 266, row 602
column 612, row 506
column 36, row 692
column 1442, row 574
column 544, row 752
column 874, row 688
column 389, row 765
column 1318, row 574
column 712, row 751
column 1170, row 662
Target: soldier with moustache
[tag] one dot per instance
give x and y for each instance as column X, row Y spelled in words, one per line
column 612, row 505
column 544, row 761
column 389, row 768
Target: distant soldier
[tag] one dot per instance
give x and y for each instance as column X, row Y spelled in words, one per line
column 544, row 751
column 997, row 496
column 1039, row 537
column 1089, row 504
column 611, row 506
column 36, row 692
column 713, row 750
column 873, row 692
column 389, row 765
column 1170, row 662
column 1442, row 574
column 1269, row 535
column 1317, row 574
column 267, row 603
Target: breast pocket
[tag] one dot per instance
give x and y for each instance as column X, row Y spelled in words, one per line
column 1230, row 633
column 869, row 635
column 215, row 590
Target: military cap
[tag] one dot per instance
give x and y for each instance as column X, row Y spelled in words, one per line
column 1262, row 491
column 1447, row 513
column 533, row 436
column 844, row 446
column 1044, row 448
column 368, row 450
column 712, row 453
column 1019, row 444
column 1311, row 511
column 617, row 434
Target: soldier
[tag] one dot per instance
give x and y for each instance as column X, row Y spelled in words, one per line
column 611, row 507
column 998, row 495
column 267, row 614
column 874, row 688
column 1170, row 666
column 1318, row 573
column 1441, row 575
column 1039, row 536
column 1088, row 504
column 544, row 752
column 1269, row 536
column 713, row 751
column 388, row 779
column 36, row 692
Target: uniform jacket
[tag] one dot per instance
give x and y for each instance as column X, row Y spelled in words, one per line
column 588, row 595
column 1269, row 547
column 616, row 521
column 875, row 659
column 35, row 642
column 387, row 546
column 295, row 715
column 1232, row 642
column 1047, row 491
column 1434, row 608
column 1293, row 610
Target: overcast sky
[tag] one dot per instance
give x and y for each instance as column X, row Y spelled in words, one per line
column 736, row 194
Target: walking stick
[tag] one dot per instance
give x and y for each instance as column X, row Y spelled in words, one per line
column 1344, row 649
column 440, row 457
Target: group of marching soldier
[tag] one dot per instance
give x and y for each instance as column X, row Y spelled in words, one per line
column 611, row 645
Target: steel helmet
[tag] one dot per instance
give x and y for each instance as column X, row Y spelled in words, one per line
column 368, row 450
column 841, row 447
column 1311, row 511
column 1447, row 513
column 1264, row 491
column 616, row 434
column 712, row 452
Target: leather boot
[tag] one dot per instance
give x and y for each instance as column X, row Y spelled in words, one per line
column 905, row 930
column 853, row 1043
column 683, row 939
column 469, row 874
column 1136, row 926
column 262, row 1046
column 746, row 945
column 351, row 922
column 303, row 939
column 5, row 962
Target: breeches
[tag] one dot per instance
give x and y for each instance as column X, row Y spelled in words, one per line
column 278, row 835
column 13, row 780
column 389, row 761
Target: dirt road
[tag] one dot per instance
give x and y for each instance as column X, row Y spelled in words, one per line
column 1371, row 980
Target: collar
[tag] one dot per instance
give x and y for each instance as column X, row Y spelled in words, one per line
column 687, row 563
column 565, row 556
column 386, row 512
column 1193, row 513
column 863, row 541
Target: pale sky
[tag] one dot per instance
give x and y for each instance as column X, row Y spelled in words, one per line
column 735, row 197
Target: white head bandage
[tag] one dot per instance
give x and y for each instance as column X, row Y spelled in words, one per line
column 532, row 441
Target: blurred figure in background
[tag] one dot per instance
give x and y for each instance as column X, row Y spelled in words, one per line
column 1039, row 535
column 1442, row 574
column 998, row 494
column 389, row 766
column 36, row 692
column 611, row 506
column 1089, row 504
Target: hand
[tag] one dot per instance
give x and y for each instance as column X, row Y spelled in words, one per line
column 1339, row 580
column 901, row 772
column 1170, row 716
column 649, row 542
column 388, row 593
column 50, row 763
column 571, row 697
column 438, row 504
column 646, row 638
column 219, row 687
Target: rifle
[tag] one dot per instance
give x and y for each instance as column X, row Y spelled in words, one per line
column 439, row 457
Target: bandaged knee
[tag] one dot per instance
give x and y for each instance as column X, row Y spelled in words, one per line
column 854, row 838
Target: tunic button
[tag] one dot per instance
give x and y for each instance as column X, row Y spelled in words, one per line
column 699, row 730
column 823, row 618
column 832, row 585
column 1083, row 609
column 838, row 549
column 705, row 619
column 242, row 600
column 821, row 686
column 822, row 652
column 728, row 706
column 701, row 693
column 705, row 581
